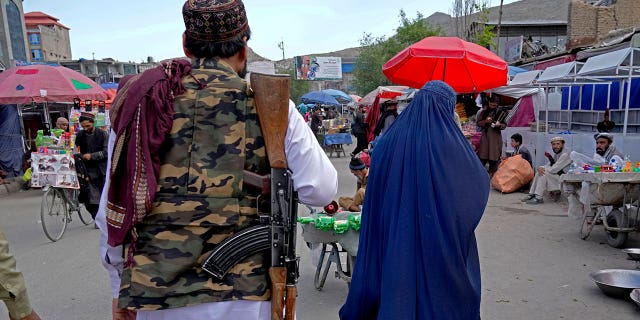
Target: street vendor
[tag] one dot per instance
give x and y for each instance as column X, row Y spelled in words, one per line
column 316, row 120
column 62, row 123
column 547, row 178
column 360, row 170
column 92, row 143
column 605, row 152
column 606, row 149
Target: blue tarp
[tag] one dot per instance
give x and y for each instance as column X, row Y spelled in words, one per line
column 337, row 138
column 11, row 149
column 600, row 100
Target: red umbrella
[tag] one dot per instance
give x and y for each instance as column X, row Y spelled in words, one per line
column 44, row 83
column 465, row 66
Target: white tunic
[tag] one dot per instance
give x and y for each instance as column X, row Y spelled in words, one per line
column 314, row 178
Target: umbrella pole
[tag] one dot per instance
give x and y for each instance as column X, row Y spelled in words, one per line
column 444, row 69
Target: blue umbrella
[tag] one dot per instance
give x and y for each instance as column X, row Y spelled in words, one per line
column 319, row 97
column 339, row 95
column 515, row 70
column 109, row 85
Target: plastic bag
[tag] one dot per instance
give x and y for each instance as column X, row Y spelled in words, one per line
column 324, row 222
column 354, row 221
column 27, row 175
column 306, row 220
column 341, row 226
column 513, row 174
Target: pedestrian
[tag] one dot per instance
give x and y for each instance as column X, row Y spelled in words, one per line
column 547, row 178
column 359, row 130
column 188, row 181
column 62, row 123
column 426, row 192
column 316, row 120
column 361, row 172
column 389, row 115
column 92, row 143
column 519, row 149
column 13, row 291
column 492, row 123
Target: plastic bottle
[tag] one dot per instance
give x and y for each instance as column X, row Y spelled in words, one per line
column 40, row 138
column 614, row 164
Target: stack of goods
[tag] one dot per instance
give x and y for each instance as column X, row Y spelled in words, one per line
column 462, row 113
column 53, row 164
column 327, row 223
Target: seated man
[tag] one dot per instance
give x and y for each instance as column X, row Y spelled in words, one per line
column 519, row 149
column 547, row 178
column 605, row 151
column 360, row 170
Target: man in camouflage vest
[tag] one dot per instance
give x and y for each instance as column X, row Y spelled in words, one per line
column 200, row 199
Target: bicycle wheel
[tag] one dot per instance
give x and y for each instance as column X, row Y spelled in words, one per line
column 53, row 214
column 84, row 215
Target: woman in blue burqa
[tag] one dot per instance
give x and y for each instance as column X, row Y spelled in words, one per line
column 417, row 257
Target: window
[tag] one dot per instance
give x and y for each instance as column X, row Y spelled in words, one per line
column 14, row 20
column 36, row 55
column 34, row 38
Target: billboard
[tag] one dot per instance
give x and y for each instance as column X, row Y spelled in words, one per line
column 318, row 68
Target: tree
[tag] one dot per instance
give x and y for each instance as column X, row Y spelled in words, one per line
column 375, row 52
column 470, row 19
column 481, row 33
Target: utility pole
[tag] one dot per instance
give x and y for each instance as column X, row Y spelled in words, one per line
column 499, row 25
column 281, row 46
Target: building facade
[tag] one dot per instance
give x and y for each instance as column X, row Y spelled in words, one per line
column 48, row 39
column 13, row 35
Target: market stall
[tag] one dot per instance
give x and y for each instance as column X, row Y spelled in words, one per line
column 334, row 135
column 597, row 190
column 336, row 235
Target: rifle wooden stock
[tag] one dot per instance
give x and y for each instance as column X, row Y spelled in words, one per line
column 271, row 94
column 278, row 277
column 290, row 303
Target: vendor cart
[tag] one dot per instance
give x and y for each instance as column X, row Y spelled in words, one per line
column 337, row 245
column 597, row 190
column 333, row 143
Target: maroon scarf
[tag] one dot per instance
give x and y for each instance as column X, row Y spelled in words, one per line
column 142, row 116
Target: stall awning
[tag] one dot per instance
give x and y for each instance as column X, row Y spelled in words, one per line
column 616, row 63
column 525, row 78
column 560, row 72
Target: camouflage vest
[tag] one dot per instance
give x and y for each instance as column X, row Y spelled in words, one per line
column 200, row 199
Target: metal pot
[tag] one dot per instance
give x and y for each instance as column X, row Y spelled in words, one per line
column 617, row 283
column 635, row 296
column 634, row 254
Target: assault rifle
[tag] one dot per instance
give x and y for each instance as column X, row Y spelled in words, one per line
column 276, row 232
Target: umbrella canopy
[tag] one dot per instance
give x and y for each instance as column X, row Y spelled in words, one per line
column 339, row 95
column 384, row 93
column 319, row 97
column 465, row 66
column 43, row 83
column 355, row 98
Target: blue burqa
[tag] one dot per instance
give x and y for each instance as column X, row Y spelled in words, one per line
column 426, row 193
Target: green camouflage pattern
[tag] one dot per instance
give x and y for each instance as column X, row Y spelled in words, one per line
column 201, row 200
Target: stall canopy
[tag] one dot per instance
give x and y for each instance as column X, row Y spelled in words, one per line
column 11, row 143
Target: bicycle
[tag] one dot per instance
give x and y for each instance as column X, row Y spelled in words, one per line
column 56, row 208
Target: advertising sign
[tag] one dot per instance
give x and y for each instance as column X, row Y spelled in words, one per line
column 318, row 68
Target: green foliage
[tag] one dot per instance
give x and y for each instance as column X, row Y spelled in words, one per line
column 376, row 51
column 483, row 34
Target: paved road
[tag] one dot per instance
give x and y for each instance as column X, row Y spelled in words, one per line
column 534, row 266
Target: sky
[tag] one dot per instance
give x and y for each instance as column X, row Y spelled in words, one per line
column 132, row 30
